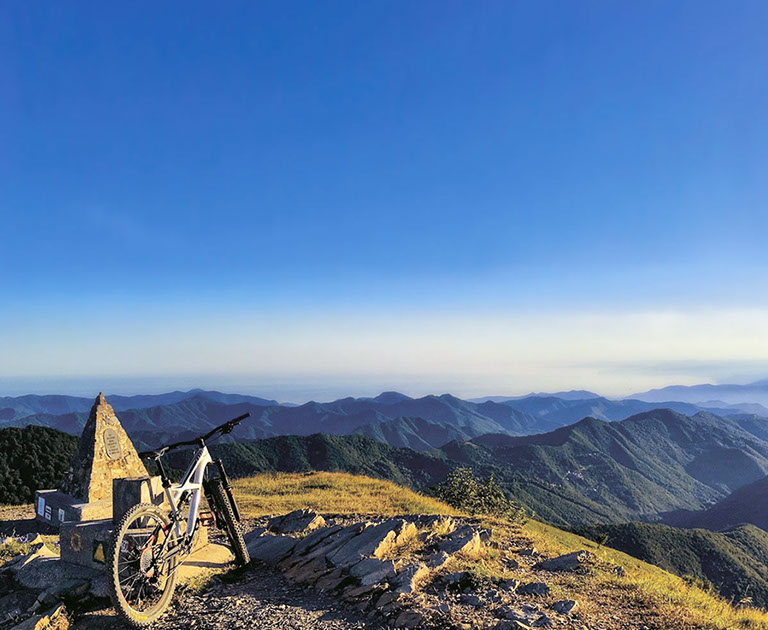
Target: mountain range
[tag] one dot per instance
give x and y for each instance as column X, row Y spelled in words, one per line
column 418, row 423
column 612, row 469
column 754, row 394
column 19, row 407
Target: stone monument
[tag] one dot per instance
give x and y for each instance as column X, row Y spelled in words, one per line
column 104, row 453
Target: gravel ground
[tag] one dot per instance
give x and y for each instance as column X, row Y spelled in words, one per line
column 258, row 599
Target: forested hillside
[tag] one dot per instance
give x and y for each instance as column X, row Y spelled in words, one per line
column 32, row 458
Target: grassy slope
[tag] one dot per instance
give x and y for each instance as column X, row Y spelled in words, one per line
column 643, row 591
column 329, row 492
column 733, row 561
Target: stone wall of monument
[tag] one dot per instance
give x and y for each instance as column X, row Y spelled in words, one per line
column 105, row 452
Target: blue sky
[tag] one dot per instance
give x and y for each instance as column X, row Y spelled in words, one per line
column 341, row 196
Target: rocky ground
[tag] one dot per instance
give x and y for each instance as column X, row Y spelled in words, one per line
column 258, row 599
column 336, row 573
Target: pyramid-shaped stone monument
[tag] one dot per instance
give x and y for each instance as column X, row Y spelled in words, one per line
column 105, row 452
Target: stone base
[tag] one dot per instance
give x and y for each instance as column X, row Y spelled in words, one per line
column 54, row 508
column 129, row 492
column 85, row 544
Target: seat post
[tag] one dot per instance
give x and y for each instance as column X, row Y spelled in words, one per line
column 163, row 475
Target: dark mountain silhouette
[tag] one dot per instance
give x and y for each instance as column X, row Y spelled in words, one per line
column 560, row 412
column 198, row 414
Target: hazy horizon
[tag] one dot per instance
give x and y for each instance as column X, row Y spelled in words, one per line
column 297, row 392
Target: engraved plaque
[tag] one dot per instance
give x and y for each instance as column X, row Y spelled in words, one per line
column 112, row 444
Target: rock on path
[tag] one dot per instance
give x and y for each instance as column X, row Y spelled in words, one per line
column 261, row 600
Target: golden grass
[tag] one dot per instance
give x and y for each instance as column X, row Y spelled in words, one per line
column 667, row 595
column 664, row 599
column 330, row 493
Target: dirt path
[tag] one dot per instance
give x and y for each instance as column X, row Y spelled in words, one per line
column 258, row 599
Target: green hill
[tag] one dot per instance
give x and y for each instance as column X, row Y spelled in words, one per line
column 32, row 458
column 748, row 504
column 735, row 562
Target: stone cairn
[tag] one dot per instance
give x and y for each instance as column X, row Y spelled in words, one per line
column 400, row 570
column 104, row 453
column 106, row 477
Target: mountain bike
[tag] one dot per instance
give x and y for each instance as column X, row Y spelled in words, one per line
column 150, row 543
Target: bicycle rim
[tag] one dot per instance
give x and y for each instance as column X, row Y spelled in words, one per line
column 143, row 580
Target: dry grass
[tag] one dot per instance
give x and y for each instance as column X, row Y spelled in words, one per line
column 330, row 493
column 668, row 596
column 644, row 593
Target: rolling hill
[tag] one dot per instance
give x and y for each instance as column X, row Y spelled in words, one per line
column 399, row 420
column 748, row 504
column 415, row 433
column 638, row 468
column 197, row 414
column 355, row 454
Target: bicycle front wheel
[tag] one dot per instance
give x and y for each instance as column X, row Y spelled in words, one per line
column 224, row 511
column 141, row 578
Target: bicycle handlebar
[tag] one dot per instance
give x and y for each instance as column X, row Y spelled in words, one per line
column 223, row 429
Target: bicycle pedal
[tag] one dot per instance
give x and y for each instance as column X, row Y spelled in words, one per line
column 207, row 519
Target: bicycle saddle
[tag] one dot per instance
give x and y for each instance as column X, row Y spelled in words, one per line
column 156, row 454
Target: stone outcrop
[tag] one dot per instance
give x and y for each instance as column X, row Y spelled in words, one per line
column 298, row 521
column 104, row 452
column 564, row 606
column 568, row 562
column 398, row 569
column 54, row 619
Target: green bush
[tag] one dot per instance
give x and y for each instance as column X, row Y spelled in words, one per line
column 469, row 493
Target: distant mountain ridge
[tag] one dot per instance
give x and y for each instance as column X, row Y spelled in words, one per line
column 419, row 423
column 751, row 393
column 19, row 407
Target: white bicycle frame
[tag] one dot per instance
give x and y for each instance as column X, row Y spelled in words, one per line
column 191, row 482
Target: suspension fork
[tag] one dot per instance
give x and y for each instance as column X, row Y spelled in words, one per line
column 227, row 487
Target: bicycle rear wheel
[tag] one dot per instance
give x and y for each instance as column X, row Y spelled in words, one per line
column 223, row 509
column 141, row 581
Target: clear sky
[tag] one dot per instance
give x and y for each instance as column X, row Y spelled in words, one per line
column 310, row 198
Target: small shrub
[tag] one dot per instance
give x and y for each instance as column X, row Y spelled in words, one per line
column 468, row 493
column 12, row 548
